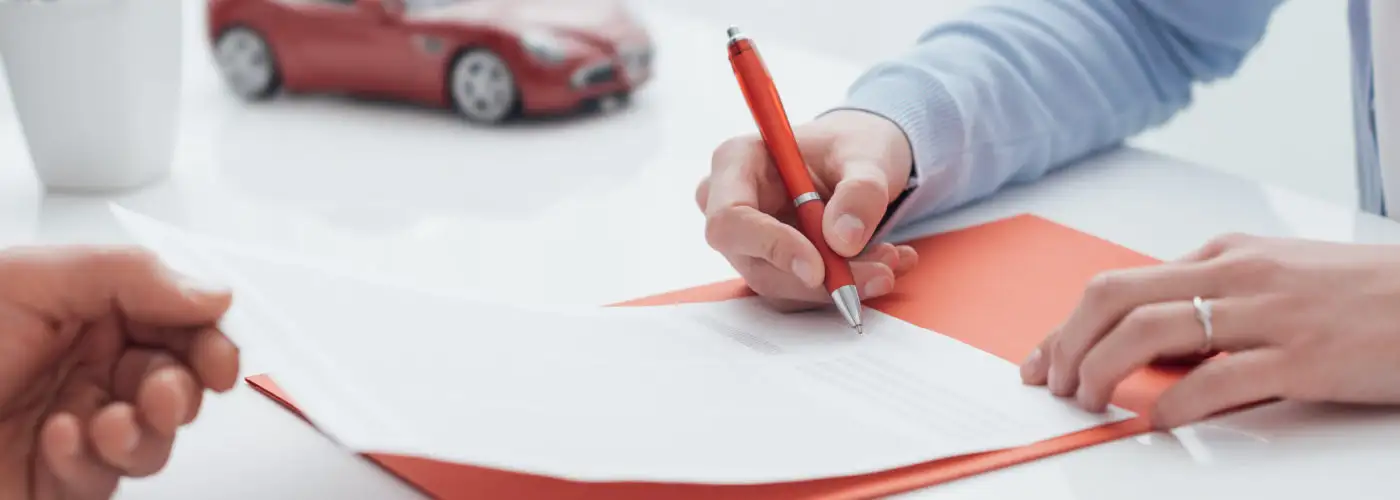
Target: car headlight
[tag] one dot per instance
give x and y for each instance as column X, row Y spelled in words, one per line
column 547, row 47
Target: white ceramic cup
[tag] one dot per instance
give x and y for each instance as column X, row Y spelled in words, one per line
column 96, row 87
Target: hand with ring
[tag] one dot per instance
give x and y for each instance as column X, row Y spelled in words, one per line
column 1299, row 320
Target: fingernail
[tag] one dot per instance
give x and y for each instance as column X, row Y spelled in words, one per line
column 132, row 439
column 169, row 379
column 69, row 444
column 196, row 286
column 1032, row 362
column 1030, row 368
column 849, row 228
column 806, row 272
column 889, row 256
column 878, row 286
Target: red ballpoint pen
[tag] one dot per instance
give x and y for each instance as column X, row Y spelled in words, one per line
column 773, row 126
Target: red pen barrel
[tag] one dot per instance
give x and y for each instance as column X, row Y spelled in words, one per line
column 809, row 221
column 768, row 113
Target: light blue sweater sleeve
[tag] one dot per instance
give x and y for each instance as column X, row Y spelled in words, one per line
column 1011, row 90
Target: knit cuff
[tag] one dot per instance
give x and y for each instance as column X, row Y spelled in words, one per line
column 923, row 108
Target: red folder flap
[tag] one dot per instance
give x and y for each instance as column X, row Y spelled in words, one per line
column 1000, row 287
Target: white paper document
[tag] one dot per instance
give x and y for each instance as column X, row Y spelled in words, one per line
column 727, row 392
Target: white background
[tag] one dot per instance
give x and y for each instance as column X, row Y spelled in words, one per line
column 269, row 176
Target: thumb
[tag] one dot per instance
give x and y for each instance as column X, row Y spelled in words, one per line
column 85, row 283
column 857, row 205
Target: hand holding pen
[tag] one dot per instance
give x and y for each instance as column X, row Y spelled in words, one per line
column 857, row 162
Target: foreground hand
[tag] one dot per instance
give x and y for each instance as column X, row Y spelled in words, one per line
column 103, row 356
column 860, row 162
column 1301, row 320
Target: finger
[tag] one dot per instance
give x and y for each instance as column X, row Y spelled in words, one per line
column 741, row 174
column 213, row 357
column 135, row 366
column 76, row 471
column 702, row 193
column 857, row 205
column 883, row 253
column 1108, row 298
column 873, row 279
column 863, row 274
column 1155, row 331
column 1221, row 384
column 1035, row 368
column 168, row 399
column 127, row 443
column 1212, row 249
column 165, row 391
column 908, row 258
column 86, row 283
column 1216, row 246
column 746, row 232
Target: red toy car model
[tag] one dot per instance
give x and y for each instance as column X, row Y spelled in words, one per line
column 490, row 59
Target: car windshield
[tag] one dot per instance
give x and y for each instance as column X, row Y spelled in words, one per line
column 430, row 4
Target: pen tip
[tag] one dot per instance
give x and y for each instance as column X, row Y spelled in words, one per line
column 732, row 31
column 860, row 329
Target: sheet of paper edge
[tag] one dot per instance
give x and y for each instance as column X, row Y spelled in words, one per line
column 301, row 369
column 329, row 398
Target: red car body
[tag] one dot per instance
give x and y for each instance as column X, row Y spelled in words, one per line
column 404, row 49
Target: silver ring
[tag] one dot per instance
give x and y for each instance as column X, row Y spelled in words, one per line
column 805, row 197
column 1203, row 315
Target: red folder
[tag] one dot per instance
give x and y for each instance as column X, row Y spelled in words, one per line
column 1000, row 287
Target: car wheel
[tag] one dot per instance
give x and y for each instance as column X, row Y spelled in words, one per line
column 483, row 87
column 245, row 59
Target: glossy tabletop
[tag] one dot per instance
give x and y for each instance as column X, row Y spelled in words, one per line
column 598, row 209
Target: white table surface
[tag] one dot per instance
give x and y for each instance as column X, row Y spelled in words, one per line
column 600, row 209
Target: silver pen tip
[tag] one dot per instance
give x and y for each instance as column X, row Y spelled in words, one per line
column 733, row 31
column 860, row 329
